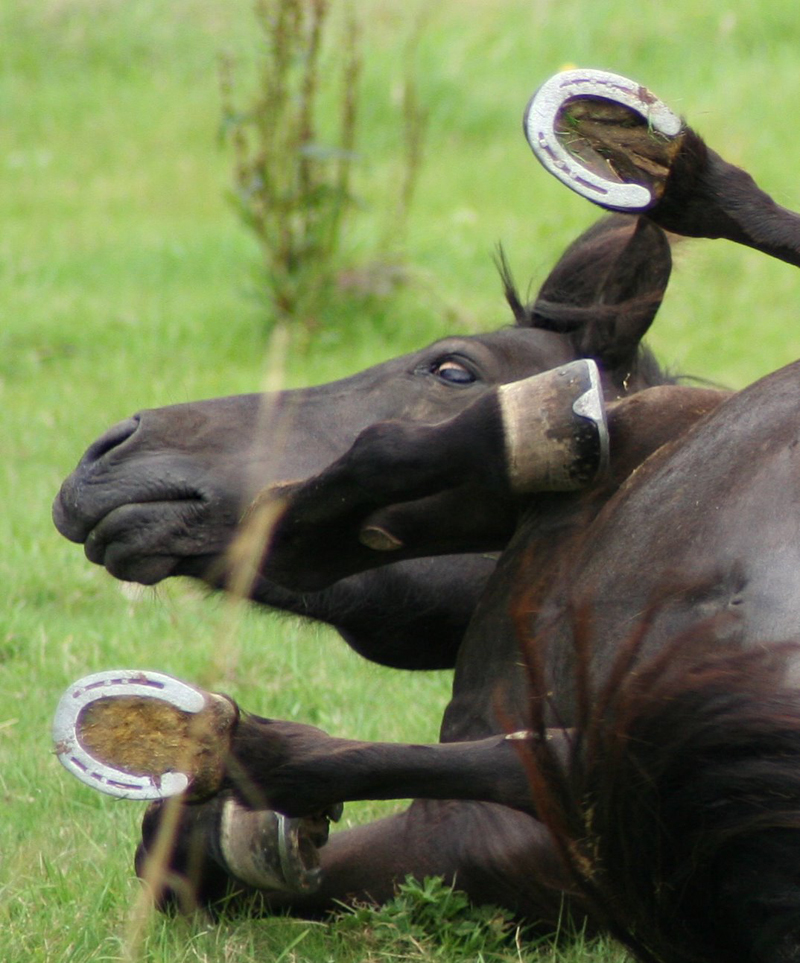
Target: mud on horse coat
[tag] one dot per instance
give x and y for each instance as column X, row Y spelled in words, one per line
column 714, row 882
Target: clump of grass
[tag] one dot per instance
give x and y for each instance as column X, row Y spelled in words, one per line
column 294, row 157
column 430, row 918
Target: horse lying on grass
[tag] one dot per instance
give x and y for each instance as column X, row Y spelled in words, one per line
column 689, row 745
column 163, row 494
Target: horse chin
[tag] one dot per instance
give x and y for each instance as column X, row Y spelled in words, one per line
column 149, row 542
column 146, row 570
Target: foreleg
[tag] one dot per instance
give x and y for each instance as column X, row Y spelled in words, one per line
column 492, row 853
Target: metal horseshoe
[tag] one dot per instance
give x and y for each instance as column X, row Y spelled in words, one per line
column 539, row 126
column 93, row 771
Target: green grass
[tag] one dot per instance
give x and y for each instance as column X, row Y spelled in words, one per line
column 126, row 281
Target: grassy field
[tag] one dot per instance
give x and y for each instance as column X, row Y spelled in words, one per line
column 128, row 282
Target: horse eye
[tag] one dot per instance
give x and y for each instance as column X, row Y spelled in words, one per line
column 453, row 372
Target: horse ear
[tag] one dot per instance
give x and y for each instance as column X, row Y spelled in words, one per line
column 606, row 289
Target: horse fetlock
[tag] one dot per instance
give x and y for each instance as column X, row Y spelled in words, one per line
column 268, row 851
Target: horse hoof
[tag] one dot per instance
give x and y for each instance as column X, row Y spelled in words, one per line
column 604, row 136
column 269, row 851
column 555, row 429
column 143, row 735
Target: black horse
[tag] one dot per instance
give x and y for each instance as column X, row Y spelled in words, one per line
column 164, row 492
column 681, row 538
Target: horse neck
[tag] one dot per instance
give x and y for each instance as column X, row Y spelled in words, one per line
column 490, row 691
column 527, row 595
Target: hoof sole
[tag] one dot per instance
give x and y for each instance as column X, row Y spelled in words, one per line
column 602, row 156
column 143, row 735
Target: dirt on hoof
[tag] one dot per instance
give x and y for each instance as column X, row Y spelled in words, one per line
column 145, row 736
column 617, row 142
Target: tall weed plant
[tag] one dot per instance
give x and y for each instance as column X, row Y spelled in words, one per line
column 294, row 145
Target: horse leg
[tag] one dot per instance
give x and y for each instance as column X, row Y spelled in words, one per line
column 542, row 433
column 692, row 190
column 494, row 854
column 141, row 734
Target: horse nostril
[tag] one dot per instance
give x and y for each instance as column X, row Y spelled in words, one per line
column 75, row 510
column 113, row 438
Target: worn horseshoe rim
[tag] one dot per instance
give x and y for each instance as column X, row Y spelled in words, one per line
column 539, row 126
column 591, row 406
column 298, row 875
column 121, row 682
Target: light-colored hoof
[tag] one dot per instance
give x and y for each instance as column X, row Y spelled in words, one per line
column 269, row 851
column 143, row 735
column 555, row 429
column 590, row 169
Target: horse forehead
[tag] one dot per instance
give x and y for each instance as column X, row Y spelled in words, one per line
column 526, row 349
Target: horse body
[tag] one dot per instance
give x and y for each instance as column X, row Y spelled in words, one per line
column 716, row 516
column 692, row 547
column 697, row 497
column 163, row 493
